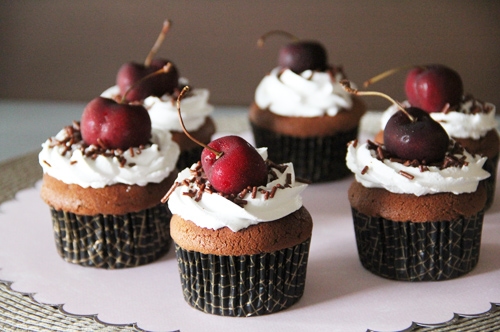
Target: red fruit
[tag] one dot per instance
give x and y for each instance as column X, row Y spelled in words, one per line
column 423, row 138
column 239, row 166
column 131, row 72
column 115, row 125
column 431, row 87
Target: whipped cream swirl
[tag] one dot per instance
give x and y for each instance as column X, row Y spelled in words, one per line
column 308, row 94
column 163, row 110
column 462, row 122
column 214, row 211
column 374, row 173
column 72, row 164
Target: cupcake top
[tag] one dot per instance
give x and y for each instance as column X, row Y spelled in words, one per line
column 460, row 172
column 308, row 94
column 471, row 119
column 67, row 158
column 163, row 110
column 193, row 199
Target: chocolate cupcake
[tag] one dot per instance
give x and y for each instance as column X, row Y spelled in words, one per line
column 303, row 115
column 241, row 255
column 105, row 203
column 415, row 221
column 471, row 123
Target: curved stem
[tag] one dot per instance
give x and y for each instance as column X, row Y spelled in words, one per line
column 184, row 90
column 261, row 40
column 347, row 86
column 157, row 44
column 163, row 70
column 385, row 74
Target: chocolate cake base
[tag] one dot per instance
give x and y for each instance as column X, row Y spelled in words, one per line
column 112, row 241
column 243, row 286
column 418, row 251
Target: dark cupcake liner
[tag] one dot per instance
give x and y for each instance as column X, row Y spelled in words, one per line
column 188, row 157
column 317, row 159
column 491, row 165
column 112, row 241
column 418, row 251
column 243, row 286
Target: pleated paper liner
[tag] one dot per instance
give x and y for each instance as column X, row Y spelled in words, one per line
column 420, row 251
column 317, row 159
column 112, row 241
column 243, row 286
column 491, row 165
column 188, row 157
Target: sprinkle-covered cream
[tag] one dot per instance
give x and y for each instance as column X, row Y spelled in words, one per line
column 163, row 110
column 308, row 94
column 66, row 158
column 459, row 173
column 193, row 199
column 471, row 119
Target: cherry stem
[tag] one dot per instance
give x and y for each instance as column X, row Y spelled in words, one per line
column 261, row 40
column 157, row 44
column 184, row 90
column 385, row 74
column 347, row 86
column 163, row 70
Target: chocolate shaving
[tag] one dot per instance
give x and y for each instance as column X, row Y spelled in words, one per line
column 364, row 170
column 406, row 175
column 450, row 160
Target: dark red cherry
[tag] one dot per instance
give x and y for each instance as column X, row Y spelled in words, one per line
column 114, row 125
column 431, row 87
column 239, row 166
column 131, row 72
column 419, row 138
column 299, row 56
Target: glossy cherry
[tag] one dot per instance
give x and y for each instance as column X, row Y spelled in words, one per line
column 112, row 125
column 431, row 87
column 417, row 137
column 131, row 72
column 303, row 55
column 238, row 166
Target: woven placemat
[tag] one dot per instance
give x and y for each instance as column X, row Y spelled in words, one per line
column 20, row 312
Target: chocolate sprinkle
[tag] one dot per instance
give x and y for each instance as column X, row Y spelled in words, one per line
column 199, row 179
column 449, row 160
column 73, row 140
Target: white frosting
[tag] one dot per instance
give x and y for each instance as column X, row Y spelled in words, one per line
column 460, row 123
column 463, row 124
column 308, row 94
column 214, row 211
column 163, row 111
column 152, row 165
column 385, row 174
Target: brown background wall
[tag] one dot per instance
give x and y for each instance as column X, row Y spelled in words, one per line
column 71, row 50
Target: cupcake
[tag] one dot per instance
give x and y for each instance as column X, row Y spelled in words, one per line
column 241, row 254
column 104, row 188
column 469, row 121
column 416, row 219
column 303, row 115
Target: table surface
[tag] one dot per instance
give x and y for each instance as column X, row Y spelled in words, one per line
column 19, row 169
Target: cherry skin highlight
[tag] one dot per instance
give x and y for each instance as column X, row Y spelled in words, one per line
column 239, row 166
column 113, row 125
